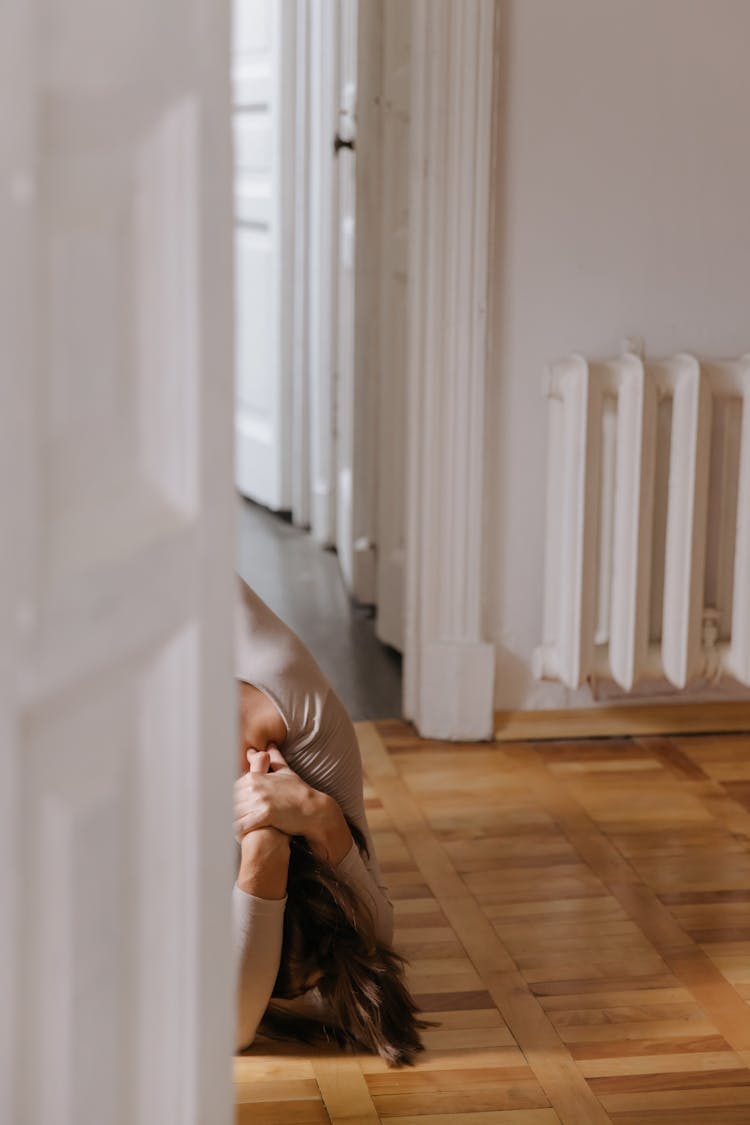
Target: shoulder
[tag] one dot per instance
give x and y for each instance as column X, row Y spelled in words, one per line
column 261, row 721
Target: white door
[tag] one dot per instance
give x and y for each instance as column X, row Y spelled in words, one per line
column 264, row 66
column 116, row 698
column 344, row 147
column 393, row 334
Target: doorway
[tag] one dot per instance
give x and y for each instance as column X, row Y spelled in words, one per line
column 321, row 116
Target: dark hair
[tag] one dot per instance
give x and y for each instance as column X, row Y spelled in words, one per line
column 329, row 941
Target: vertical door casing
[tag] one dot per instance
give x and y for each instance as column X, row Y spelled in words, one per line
column 344, row 372
column 366, row 328
column 393, row 324
column 324, row 24
column 363, row 179
column 264, row 68
column 300, row 445
column 116, row 698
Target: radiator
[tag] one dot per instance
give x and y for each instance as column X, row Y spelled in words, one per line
column 647, row 572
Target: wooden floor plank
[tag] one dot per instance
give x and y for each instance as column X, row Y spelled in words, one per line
column 474, row 1099
column 281, row 1113
column 490, row 1117
column 344, row 1091
column 652, row 1060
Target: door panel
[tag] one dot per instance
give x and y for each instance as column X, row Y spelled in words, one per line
column 116, row 697
column 263, row 85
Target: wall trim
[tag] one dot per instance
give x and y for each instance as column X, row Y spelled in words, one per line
column 450, row 167
column 300, row 300
column 366, row 326
column 622, row 722
column 322, row 264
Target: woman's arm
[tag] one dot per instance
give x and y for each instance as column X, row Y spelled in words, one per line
column 258, row 904
column 280, row 797
column 356, row 873
column 264, row 864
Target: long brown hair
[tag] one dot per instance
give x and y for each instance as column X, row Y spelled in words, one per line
column 330, row 942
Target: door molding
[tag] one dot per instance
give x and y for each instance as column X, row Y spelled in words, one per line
column 392, row 320
column 322, row 266
column 300, row 453
column 366, row 327
column 347, row 226
column 449, row 668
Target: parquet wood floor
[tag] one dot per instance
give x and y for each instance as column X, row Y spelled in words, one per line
column 577, row 920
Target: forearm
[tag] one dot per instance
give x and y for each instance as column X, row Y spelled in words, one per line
column 258, row 933
column 258, row 905
column 264, row 866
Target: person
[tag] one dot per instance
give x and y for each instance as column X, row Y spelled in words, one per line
column 313, row 921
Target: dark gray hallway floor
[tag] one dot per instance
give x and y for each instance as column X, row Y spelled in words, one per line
column 302, row 584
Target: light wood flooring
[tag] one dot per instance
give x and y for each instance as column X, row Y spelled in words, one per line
column 577, row 920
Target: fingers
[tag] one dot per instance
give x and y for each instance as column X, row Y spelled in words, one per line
column 277, row 761
column 251, row 808
column 260, row 761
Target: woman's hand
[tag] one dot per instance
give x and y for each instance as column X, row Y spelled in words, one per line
column 272, row 794
column 264, row 862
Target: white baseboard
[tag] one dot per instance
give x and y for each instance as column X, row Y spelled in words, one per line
column 612, row 721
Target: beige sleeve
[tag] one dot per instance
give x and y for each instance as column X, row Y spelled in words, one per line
column 258, row 926
column 243, row 662
column 356, row 873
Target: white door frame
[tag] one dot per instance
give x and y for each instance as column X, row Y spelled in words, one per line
column 389, row 347
column 366, row 329
column 347, row 224
column 323, row 265
column 358, row 361
column 300, row 451
column 448, row 669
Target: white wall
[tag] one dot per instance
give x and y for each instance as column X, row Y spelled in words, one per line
column 621, row 208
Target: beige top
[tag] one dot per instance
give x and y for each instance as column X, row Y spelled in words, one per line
column 321, row 746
